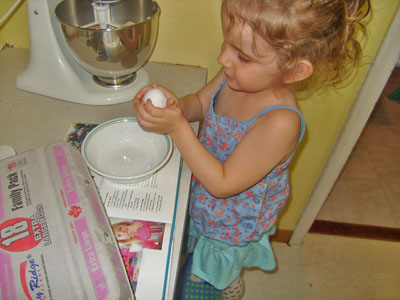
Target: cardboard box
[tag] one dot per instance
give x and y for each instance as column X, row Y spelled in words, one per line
column 56, row 241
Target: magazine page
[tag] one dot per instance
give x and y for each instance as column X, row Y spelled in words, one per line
column 133, row 237
column 142, row 216
column 151, row 199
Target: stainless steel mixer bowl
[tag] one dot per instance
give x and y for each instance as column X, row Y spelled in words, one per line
column 113, row 54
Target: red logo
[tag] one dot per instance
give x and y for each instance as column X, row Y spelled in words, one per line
column 75, row 211
column 20, row 234
column 12, row 165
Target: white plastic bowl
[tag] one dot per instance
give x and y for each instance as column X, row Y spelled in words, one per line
column 121, row 151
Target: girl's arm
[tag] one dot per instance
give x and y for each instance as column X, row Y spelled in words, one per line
column 269, row 142
column 195, row 106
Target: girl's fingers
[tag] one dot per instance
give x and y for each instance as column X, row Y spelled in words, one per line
column 141, row 92
column 170, row 102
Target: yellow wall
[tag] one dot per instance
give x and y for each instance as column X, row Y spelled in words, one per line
column 190, row 34
column 15, row 30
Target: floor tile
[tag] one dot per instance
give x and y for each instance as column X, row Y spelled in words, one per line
column 359, row 165
column 328, row 212
column 329, row 268
column 386, row 162
column 383, row 134
column 359, row 201
column 392, row 194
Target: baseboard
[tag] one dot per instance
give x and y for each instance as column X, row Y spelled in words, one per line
column 356, row 230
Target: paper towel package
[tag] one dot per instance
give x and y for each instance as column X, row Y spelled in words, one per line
column 55, row 239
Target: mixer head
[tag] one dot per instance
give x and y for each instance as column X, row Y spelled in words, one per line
column 101, row 9
column 105, row 1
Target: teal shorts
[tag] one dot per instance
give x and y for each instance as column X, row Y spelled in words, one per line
column 219, row 263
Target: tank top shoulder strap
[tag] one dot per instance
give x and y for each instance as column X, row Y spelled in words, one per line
column 265, row 111
column 274, row 107
column 214, row 98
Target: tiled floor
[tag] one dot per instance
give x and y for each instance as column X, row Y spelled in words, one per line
column 367, row 191
column 327, row 267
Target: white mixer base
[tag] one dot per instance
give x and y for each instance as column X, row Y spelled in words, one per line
column 84, row 91
column 53, row 72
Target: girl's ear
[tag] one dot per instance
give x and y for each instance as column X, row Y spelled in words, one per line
column 301, row 71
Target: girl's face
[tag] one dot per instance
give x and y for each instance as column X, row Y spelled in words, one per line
column 247, row 69
column 122, row 232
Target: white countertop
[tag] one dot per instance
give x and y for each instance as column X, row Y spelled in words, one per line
column 29, row 121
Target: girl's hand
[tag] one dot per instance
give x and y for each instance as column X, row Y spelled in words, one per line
column 166, row 120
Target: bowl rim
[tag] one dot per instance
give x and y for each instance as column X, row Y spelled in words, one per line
column 148, row 19
column 135, row 178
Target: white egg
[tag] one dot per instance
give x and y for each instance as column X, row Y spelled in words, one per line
column 157, row 97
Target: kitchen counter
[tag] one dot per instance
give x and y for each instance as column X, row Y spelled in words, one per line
column 29, row 121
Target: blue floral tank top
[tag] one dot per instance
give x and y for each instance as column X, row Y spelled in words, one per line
column 246, row 216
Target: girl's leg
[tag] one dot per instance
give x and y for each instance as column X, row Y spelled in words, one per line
column 234, row 291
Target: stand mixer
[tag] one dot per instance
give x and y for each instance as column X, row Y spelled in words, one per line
column 89, row 51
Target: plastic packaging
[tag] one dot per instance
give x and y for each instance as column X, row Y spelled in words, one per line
column 55, row 238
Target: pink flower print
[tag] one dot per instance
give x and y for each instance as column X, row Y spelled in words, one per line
column 272, row 185
column 263, row 184
column 220, row 213
column 219, row 129
column 224, row 146
column 250, row 195
column 229, row 219
column 238, row 135
column 281, row 203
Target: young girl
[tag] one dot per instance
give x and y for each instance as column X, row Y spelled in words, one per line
column 252, row 125
column 146, row 234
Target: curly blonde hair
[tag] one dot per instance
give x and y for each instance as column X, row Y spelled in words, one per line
column 320, row 31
